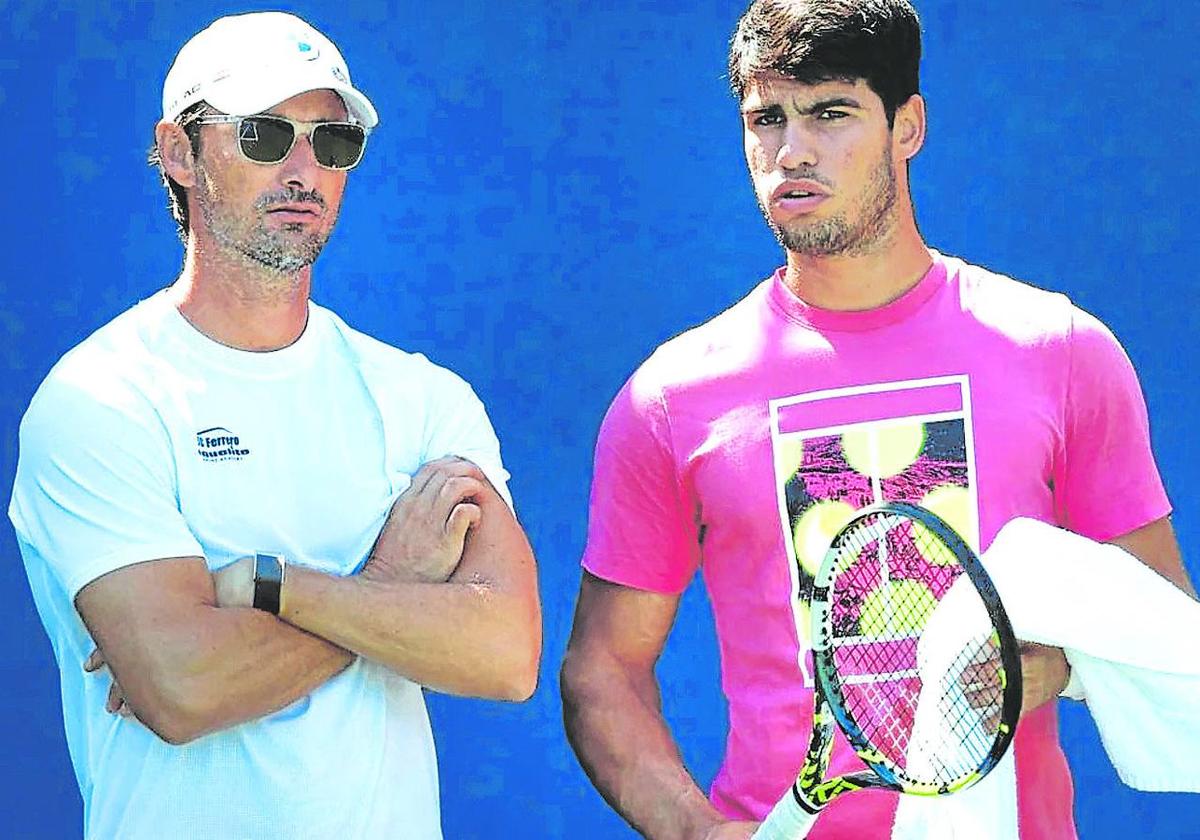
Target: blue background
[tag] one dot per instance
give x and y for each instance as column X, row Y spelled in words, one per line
column 555, row 189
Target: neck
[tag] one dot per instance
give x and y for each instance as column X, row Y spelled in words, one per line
column 238, row 302
column 861, row 281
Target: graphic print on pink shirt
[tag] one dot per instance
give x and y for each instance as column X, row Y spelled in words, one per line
column 839, row 451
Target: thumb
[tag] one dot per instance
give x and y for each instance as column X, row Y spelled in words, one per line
column 462, row 518
column 94, row 662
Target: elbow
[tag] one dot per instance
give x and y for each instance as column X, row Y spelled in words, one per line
column 591, row 678
column 522, row 682
column 517, row 663
column 571, row 678
column 171, row 725
column 518, row 680
column 514, row 688
column 177, row 713
column 176, row 732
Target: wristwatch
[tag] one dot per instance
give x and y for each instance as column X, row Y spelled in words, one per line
column 268, row 581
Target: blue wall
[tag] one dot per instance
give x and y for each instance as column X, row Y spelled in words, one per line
column 554, row 190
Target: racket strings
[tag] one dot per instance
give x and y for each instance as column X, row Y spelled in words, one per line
column 928, row 709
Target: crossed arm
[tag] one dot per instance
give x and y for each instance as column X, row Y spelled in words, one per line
column 448, row 598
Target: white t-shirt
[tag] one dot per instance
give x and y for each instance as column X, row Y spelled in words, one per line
column 149, row 440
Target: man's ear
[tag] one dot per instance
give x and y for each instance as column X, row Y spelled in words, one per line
column 908, row 128
column 175, row 152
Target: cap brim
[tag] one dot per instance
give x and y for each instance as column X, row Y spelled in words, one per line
column 243, row 100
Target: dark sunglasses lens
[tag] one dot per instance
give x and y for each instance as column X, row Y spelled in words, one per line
column 265, row 140
column 338, row 145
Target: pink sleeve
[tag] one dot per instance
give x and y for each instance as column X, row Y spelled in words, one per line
column 1106, row 481
column 641, row 531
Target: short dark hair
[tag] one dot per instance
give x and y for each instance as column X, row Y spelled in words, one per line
column 813, row 41
column 176, row 194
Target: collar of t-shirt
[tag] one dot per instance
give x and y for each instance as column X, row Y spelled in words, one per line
column 784, row 300
column 179, row 333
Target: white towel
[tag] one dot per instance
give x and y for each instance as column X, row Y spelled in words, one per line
column 1131, row 636
column 1133, row 641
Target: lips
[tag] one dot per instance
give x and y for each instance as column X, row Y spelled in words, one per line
column 799, row 189
column 295, row 214
column 799, row 196
column 306, row 209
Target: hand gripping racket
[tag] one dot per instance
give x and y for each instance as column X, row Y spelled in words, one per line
column 914, row 659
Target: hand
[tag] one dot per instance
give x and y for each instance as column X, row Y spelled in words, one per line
column 732, row 830
column 982, row 685
column 1044, row 674
column 235, row 583
column 423, row 537
column 115, row 704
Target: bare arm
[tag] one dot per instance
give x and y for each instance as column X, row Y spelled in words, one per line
column 187, row 667
column 1155, row 545
column 612, row 711
column 476, row 633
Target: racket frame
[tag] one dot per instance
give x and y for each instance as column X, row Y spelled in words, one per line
column 829, row 687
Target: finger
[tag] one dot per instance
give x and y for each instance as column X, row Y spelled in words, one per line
column 422, row 478
column 456, row 490
column 124, row 711
column 453, row 465
column 461, row 519
column 115, row 698
column 445, row 491
column 983, row 699
column 446, row 483
column 94, row 662
column 457, row 461
column 425, row 503
column 1043, row 677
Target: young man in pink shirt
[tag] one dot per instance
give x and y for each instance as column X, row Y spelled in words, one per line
column 868, row 367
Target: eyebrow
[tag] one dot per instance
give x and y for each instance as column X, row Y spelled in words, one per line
column 815, row 108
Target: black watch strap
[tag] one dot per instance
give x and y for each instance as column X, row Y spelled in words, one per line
column 268, row 581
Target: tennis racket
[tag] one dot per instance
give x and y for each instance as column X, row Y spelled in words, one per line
column 914, row 660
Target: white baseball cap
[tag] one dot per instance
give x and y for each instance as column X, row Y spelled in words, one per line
column 245, row 64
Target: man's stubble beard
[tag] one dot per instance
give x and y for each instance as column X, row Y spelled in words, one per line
column 283, row 255
column 861, row 233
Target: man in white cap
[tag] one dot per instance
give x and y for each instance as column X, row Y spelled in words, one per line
column 258, row 531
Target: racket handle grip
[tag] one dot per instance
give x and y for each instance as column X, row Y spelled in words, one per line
column 787, row 821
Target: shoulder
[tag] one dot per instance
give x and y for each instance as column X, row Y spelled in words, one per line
column 109, row 373
column 1029, row 315
column 705, row 353
column 1017, row 309
column 385, row 364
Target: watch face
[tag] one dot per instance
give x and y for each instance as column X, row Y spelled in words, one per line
column 268, row 580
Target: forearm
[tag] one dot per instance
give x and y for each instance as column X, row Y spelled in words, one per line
column 223, row 667
column 615, row 725
column 477, row 634
column 460, row 638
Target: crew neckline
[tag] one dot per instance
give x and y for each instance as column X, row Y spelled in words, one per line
column 245, row 363
column 788, row 304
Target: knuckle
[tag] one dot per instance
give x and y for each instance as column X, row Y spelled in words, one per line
column 461, row 466
column 461, row 486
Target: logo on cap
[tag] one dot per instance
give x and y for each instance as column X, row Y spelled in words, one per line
column 307, row 51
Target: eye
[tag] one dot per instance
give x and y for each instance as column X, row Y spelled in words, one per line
column 832, row 115
column 772, row 117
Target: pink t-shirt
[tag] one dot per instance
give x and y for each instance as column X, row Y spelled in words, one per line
column 740, row 446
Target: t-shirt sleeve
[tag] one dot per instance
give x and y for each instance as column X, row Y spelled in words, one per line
column 94, row 489
column 641, row 531
column 1106, row 481
column 459, row 425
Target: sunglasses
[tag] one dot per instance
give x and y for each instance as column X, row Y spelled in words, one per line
column 266, row 138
